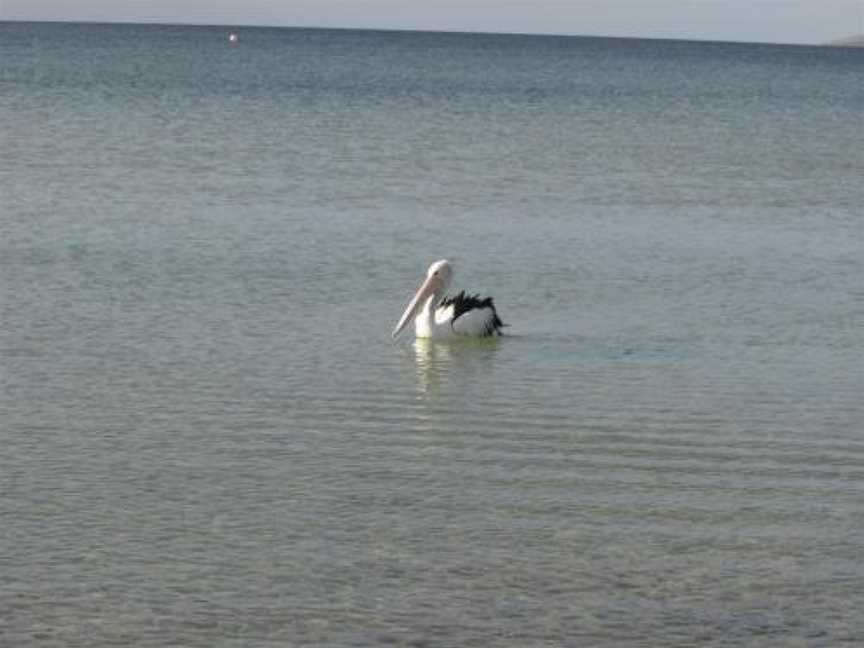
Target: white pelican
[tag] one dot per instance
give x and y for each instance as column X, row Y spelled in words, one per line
column 437, row 316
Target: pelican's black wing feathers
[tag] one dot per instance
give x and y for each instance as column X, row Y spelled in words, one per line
column 463, row 303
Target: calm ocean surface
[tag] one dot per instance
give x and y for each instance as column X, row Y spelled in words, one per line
column 208, row 438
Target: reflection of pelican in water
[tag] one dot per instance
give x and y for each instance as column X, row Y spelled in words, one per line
column 430, row 356
column 437, row 316
column 436, row 363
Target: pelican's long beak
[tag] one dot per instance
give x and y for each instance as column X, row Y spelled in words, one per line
column 432, row 285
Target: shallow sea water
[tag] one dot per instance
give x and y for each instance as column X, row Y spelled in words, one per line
column 209, row 438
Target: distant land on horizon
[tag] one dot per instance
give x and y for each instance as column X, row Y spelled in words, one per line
column 856, row 40
column 849, row 41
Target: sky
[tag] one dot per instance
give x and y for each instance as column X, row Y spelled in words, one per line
column 778, row 21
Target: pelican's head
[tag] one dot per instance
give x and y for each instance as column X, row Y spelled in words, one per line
column 442, row 270
column 435, row 285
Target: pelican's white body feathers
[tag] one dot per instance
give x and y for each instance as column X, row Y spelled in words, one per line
column 433, row 322
column 437, row 317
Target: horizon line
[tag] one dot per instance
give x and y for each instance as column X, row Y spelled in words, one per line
column 411, row 30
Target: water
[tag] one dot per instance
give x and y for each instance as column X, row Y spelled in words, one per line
column 209, row 438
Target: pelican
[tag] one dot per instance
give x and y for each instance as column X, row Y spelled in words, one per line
column 436, row 316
